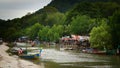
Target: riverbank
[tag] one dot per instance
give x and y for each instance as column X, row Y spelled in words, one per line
column 7, row 61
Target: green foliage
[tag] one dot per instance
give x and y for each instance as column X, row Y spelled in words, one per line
column 43, row 33
column 65, row 5
column 100, row 36
column 66, row 30
column 53, row 24
column 115, row 28
column 58, row 31
column 94, row 10
column 55, row 18
column 32, row 32
column 50, row 34
column 80, row 25
column 47, row 10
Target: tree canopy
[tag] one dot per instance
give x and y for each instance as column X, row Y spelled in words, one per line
column 100, row 36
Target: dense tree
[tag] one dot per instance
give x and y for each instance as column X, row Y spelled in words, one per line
column 57, row 31
column 50, row 33
column 2, row 28
column 80, row 25
column 100, row 36
column 32, row 32
column 68, row 4
column 43, row 33
column 51, row 16
column 115, row 29
column 94, row 10
column 55, row 18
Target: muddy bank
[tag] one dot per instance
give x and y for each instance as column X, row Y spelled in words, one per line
column 7, row 61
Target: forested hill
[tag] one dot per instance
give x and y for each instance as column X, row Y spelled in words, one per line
column 64, row 5
column 58, row 12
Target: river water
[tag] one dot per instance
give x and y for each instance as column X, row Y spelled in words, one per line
column 53, row 58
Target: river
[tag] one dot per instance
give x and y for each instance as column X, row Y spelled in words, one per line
column 54, row 58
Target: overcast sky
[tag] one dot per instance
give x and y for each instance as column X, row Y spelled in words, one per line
column 10, row 9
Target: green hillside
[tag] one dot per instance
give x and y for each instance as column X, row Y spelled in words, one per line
column 59, row 12
column 65, row 5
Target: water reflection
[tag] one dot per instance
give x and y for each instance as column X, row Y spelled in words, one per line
column 52, row 58
column 65, row 57
column 115, row 61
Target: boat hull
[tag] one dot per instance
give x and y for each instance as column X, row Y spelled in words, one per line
column 30, row 56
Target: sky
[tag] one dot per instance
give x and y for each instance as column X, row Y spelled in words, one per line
column 10, row 9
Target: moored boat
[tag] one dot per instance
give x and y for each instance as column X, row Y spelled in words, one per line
column 34, row 54
column 30, row 55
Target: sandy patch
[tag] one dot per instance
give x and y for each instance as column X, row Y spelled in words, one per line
column 7, row 61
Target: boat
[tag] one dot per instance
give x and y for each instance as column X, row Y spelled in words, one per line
column 30, row 56
column 34, row 54
column 15, row 49
column 24, row 50
column 22, row 44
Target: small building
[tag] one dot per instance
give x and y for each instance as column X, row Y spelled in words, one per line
column 80, row 41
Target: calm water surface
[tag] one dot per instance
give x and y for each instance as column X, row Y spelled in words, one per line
column 52, row 58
